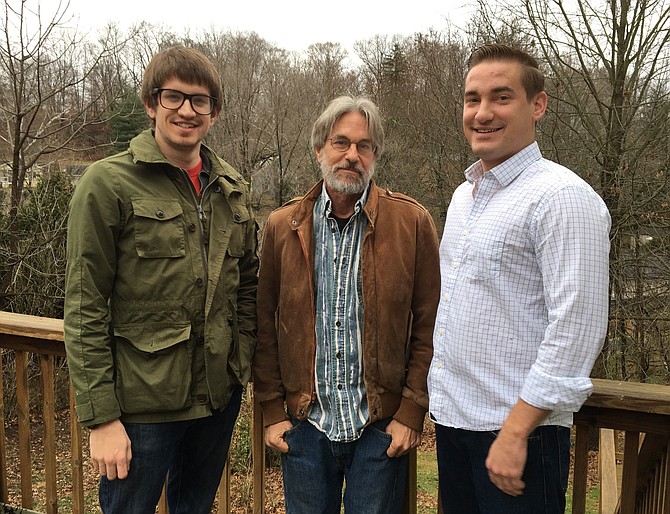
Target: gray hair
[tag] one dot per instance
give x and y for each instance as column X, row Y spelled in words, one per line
column 343, row 105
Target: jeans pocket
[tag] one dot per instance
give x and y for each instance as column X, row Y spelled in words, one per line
column 294, row 432
column 379, row 433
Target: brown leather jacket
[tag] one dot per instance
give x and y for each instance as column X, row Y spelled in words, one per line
column 401, row 287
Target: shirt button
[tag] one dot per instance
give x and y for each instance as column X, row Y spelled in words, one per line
column 337, row 323
column 198, row 282
column 160, row 213
column 202, row 398
column 440, row 332
column 446, row 297
column 339, row 387
column 238, row 216
column 191, row 227
column 466, row 232
column 454, row 264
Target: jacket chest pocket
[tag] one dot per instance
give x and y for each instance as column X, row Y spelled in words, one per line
column 159, row 228
column 237, row 242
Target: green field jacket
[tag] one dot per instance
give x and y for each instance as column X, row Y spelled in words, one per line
column 160, row 299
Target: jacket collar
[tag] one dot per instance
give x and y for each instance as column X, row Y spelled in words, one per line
column 144, row 149
column 303, row 210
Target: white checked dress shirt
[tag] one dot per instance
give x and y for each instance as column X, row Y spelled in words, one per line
column 524, row 295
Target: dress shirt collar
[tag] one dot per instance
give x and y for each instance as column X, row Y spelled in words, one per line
column 508, row 170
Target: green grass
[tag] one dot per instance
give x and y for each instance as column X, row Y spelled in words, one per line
column 592, row 500
column 426, row 478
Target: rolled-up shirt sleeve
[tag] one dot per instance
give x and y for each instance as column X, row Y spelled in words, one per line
column 571, row 235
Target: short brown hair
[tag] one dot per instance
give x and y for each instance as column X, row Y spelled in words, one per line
column 531, row 76
column 186, row 64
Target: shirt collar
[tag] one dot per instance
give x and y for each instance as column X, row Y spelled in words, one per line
column 508, row 170
column 325, row 204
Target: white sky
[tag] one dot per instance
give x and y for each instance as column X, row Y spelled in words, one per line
column 290, row 24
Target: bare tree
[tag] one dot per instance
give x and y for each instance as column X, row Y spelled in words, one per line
column 243, row 133
column 293, row 111
column 609, row 66
column 50, row 101
column 439, row 61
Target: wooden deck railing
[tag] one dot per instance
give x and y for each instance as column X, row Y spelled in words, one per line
column 640, row 413
column 636, row 417
column 30, row 337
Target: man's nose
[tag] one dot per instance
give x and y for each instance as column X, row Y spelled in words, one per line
column 352, row 152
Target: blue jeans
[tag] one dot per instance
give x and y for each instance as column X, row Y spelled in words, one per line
column 191, row 453
column 315, row 468
column 465, row 485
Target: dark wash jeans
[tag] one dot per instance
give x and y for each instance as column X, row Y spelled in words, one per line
column 465, row 486
column 315, row 468
column 192, row 453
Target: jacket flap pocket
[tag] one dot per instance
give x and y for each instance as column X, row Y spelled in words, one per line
column 240, row 213
column 158, row 209
column 150, row 338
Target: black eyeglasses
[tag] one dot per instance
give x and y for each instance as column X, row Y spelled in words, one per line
column 173, row 100
column 342, row 144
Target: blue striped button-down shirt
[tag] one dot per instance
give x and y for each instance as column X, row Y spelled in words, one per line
column 340, row 409
column 524, row 294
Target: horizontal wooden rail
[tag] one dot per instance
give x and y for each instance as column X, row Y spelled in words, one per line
column 23, row 336
column 640, row 411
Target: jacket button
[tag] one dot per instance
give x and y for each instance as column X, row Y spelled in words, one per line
column 191, row 227
column 202, row 398
column 238, row 216
column 160, row 213
column 198, row 282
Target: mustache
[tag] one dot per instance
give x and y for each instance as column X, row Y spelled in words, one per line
column 352, row 166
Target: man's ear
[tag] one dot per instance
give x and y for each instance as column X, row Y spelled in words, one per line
column 150, row 110
column 539, row 105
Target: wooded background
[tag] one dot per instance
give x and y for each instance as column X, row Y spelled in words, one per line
column 68, row 97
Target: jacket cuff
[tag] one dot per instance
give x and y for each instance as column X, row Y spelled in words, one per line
column 411, row 414
column 90, row 415
column 273, row 411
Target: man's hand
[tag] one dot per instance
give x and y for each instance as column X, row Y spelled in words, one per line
column 506, row 462
column 403, row 439
column 110, row 450
column 274, row 436
column 507, row 456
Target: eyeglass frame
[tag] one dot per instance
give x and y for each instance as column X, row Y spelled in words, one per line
column 373, row 147
column 158, row 90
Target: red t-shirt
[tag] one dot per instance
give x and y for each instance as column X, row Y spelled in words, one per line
column 194, row 173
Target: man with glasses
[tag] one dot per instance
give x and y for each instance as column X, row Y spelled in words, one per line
column 346, row 305
column 160, row 300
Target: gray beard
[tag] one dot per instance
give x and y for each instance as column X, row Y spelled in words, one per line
column 346, row 187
